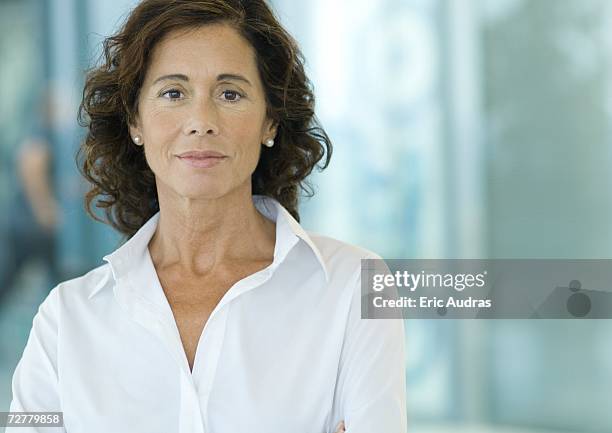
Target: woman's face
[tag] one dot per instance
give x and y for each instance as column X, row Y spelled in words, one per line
column 202, row 93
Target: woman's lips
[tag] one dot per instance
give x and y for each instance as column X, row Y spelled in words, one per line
column 201, row 154
column 202, row 159
column 202, row 162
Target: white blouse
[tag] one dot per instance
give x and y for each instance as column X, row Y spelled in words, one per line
column 285, row 350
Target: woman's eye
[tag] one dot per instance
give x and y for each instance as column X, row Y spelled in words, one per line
column 172, row 94
column 232, row 95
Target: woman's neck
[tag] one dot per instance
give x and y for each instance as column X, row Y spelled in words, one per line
column 201, row 236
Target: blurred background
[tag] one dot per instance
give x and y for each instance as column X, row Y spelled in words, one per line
column 462, row 129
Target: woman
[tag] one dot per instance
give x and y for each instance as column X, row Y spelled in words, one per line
column 220, row 313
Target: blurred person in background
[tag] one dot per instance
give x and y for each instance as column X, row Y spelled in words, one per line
column 33, row 214
column 201, row 134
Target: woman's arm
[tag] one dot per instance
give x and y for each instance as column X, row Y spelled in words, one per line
column 371, row 391
column 35, row 381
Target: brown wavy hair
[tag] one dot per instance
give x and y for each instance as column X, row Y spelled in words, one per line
column 121, row 181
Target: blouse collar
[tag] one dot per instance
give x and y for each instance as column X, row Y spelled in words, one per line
column 288, row 233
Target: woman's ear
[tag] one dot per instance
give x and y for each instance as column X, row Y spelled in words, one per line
column 134, row 128
column 271, row 129
column 134, row 131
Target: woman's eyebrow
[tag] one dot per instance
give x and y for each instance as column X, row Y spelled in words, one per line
column 220, row 77
column 171, row 77
column 236, row 77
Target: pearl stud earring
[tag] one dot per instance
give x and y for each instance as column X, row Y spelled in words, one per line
column 269, row 142
column 138, row 140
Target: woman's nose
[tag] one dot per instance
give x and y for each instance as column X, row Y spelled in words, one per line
column 202, row 119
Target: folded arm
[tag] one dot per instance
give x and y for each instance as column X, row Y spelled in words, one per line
column 371, row 389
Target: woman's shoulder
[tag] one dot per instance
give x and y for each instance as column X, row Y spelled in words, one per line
column 74, row 294
column 340, row 256
column 86, row 285
column 332, row 246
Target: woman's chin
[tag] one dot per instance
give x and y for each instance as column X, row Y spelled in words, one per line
column 201, row 192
